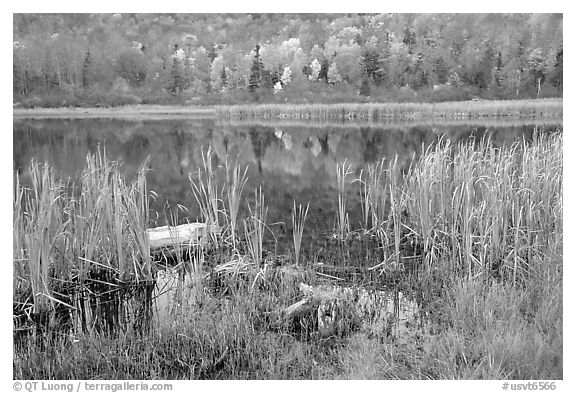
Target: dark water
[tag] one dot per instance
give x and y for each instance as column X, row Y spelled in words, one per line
column 290, row 161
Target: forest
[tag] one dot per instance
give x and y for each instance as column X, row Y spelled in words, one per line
column 92, row 60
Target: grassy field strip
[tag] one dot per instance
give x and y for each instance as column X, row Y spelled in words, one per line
column 544, row 108
column 139, row 111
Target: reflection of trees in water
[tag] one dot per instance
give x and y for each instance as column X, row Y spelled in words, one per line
column 261, row 138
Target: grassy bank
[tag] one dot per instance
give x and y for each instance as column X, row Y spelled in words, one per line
column 542, row 110
column 472, row 232
column 129, row 111
column 538, row 109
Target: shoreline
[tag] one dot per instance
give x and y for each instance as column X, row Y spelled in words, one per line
column 553, row 110
column 140, row 111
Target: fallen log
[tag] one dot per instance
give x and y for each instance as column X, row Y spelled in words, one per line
column 321, row 304
column 338, row 310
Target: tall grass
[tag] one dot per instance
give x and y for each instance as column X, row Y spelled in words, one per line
column 474, row 208
column 208, row 197
column 343, row 170
column 298, row 220
column 374, row 197
column 490, row 209
column 78, row 250
column 538, row 109
column 40, row 225
column 255, row 226
column 235, row 182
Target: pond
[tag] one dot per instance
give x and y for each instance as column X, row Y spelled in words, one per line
column 290, row 161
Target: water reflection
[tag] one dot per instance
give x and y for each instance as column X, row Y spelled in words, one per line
column 289, row 160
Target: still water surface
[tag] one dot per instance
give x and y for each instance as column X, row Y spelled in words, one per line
column 289, row 161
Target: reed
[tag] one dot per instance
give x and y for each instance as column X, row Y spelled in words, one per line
column 77, row 250
column 481, row 109
column 208, row 197
column 376, row 194
column 364, row 200
column 255, row 225
column 479, row 208
column 298, row 220
column 235, row 182
column 42, row 225
column 343, row 170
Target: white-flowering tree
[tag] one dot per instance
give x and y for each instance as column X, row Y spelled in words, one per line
column 218, row 74
column 286, row 76
column 277, row 87
column 347, row 56
column 289, row 54
column 315, row 66
column 271, row 58
column 350, row 35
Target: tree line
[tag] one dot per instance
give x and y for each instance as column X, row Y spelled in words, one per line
column 114, row 59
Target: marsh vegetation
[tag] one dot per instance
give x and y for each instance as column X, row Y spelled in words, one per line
column 468, row 110
column 470, row 232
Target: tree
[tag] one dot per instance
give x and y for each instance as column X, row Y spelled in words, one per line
column 537, row 66
column 372, row 66
column 555, row 73
column 86, row 68
column 365, row 86
column 286, row 76
column 200, row 71
column 400, row 64
column 348, row 61
column 324, row 71
column 177, row 82
column 513, row 53
column 315, row 68
column 131, row 66
column 409, row 38
column 255, row 71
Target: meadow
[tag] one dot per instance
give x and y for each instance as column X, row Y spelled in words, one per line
column 471, row 232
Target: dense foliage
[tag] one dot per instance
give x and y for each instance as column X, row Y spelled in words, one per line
column 114, row 59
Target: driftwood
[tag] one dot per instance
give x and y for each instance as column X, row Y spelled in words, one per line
column 338, row 308
column 186, row 235
column 320, row 303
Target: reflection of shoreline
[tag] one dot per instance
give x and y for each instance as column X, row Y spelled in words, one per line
column 352, row 124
